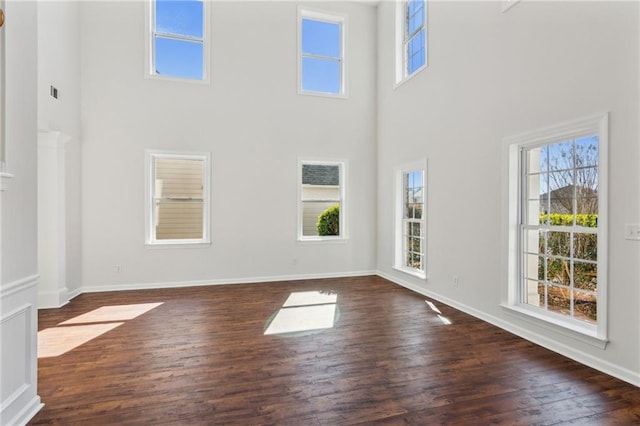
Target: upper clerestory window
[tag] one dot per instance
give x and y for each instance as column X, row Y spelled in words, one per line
column 411, row 38
column 321, row 54
column 178, row 40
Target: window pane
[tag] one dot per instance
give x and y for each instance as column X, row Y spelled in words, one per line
column 585, row 306
column 179, row 220
column 587, row 151
column 585, row 246
column 321, row 38
column 183, row 17
column 535, row 293
column 416, row 52
column 311, row 212
column 534, row 267
column 585, row 276
column 177, row 178
column 415, row 15
column 559, row 299
column 321, row 75
column 559, row 244
column 560, row 156
column 178, row 58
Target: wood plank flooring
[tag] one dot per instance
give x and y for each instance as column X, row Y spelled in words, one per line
column 200, row 357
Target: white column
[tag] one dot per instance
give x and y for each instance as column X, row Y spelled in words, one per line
column 52, row 265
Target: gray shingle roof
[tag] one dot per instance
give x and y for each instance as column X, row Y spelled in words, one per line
column 320, row 174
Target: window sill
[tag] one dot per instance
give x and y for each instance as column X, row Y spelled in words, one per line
column 323, row 95
column 322, row 240
column 409, row 77
column 413, row 272
column 4, row 180
column 180, row 244
column 585, row 333
column 206, row 81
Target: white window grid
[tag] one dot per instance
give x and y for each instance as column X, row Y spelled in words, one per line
column 408, row 37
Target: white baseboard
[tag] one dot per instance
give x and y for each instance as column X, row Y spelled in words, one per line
column 53, row 299
column 223, row 281
column 27, row 413
column 539, row 339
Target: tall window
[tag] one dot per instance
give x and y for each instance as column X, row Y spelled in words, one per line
column 321, row 63
column 178, row 198
column 559, row 223
column 178, row 33
column 411, row 220
column 411, row 38
column 321, row 200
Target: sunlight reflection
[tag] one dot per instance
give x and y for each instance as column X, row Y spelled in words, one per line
column 59, row 340
column 433, row 307
column 444, row 320
column 305, row 311
column 306, row 298
column 113, row 313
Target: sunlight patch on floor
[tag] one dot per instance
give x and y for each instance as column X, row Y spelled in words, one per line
column 60, row 340
column 113, row 313
column 434, row 308
column 305, row 298
column 305, row 311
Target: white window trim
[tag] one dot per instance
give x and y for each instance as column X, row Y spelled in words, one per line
column 149, row 46
column 150, row 241
column 595, row 334
column 343, row 203
column 401, row 75
column 334, row 18
column 399, row 217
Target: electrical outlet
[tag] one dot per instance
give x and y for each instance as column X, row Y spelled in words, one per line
column 118, row 268
column 632, row 231
column 455, row 281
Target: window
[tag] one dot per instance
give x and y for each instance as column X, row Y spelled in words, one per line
column 178, row 39
column 411, row 226
column 411, row 38
column 557, row 224
column 321, row 53
column 178, row 198
column 321, row 200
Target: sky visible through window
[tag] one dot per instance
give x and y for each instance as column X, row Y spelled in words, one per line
column 321, row 56
column 179, row 39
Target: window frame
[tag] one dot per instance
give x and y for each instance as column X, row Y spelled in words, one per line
column 342, row 164
column 150, row 23
column 400, row 220
column 514, row 194
column 149, row 213
column 332, row 18
column 402, row 42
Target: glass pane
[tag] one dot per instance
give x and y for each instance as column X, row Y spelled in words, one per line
column 533, row 241
column 532, row 215
column 585, row 305
column 585, row 246
column 311, row 213
column 559, row 299
column 559, row 244
column 585, row 276
column 182, row 17
column 560, row 156
column 559, row 271
column 321, row 75
column 587, row 151
column 587, row 207
column 534, row 291
column 587, row 181
column 177, row 178
column 179, row 220
column 415, row 15
column 536, row 159
column 416, row 52
column 322, row 175
column 321, row 38
column 178, row 58
column 534, row 267
column 536, row 186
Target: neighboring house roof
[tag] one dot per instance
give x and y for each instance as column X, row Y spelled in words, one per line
column 320, row 174
column 562, row 199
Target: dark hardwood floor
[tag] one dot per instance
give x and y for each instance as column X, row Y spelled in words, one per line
column 201, row 358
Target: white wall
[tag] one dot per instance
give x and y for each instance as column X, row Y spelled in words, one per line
column 59, row 65
column 254, row 124
column 18, row 264
column 493, row 75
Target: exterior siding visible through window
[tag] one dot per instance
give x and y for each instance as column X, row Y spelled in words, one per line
column 321, row 200
column 178, row 198
column 321, row 53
